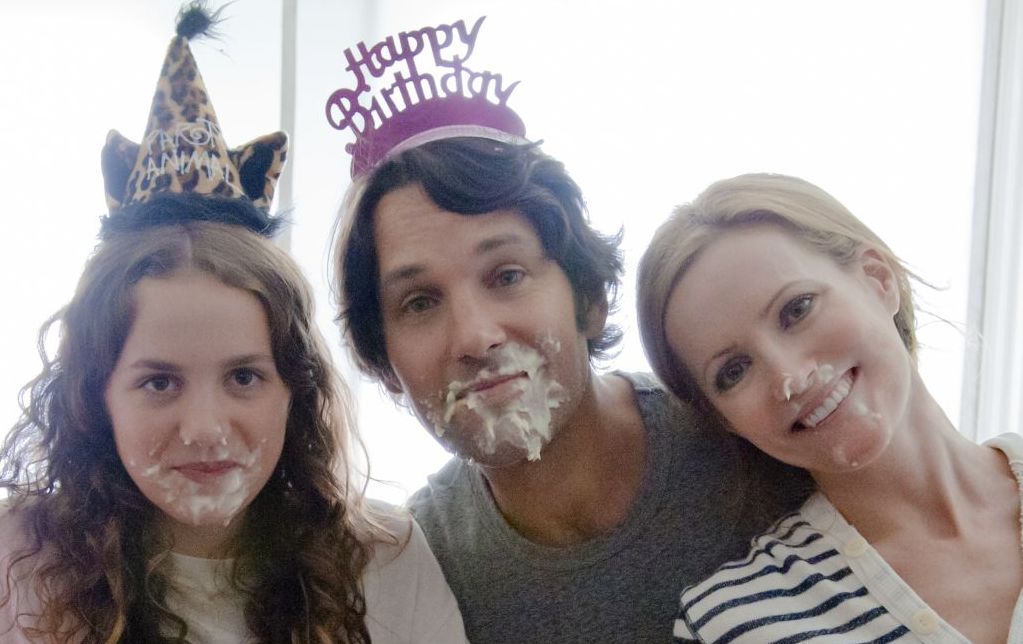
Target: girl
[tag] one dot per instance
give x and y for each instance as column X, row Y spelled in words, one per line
column 179, row 472
column 769, row 305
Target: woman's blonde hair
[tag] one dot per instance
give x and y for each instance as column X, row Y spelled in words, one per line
column 801, row 208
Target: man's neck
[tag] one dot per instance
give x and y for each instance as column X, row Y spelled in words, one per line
column 587, row 478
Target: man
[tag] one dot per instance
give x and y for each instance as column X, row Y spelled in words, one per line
column 579, row 504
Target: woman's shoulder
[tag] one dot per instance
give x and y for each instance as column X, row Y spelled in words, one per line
column 1010, row 444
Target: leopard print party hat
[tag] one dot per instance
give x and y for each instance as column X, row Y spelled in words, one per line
column 183, row 149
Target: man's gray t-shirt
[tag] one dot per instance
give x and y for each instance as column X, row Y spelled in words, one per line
column 622, row 586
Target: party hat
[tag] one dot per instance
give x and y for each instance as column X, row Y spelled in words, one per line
column 183, row 149
column 431, row 94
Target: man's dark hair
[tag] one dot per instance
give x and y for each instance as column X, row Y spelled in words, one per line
column 473, row 176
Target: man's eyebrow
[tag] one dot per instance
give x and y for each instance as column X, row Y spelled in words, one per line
column 410, row 271
column 403, row 274
column 497, row 241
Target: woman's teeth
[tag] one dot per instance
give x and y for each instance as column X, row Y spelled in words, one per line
column 830, row 404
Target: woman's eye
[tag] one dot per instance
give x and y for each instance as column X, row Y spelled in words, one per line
column 730, row 374
column 795, row 310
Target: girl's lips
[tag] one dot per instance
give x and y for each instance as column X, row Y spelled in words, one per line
column 205, row 470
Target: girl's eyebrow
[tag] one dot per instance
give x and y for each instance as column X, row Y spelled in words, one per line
column 248, row 359
column 155, row 365
column 163, row 365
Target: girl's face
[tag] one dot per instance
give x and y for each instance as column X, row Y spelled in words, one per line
column 799, row 354
column 198, row 408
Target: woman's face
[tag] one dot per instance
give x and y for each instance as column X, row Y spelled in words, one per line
column 198, row 408
column 799, row 354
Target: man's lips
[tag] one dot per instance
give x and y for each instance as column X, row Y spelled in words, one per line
column 488, row 383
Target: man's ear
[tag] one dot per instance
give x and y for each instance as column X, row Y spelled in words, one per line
column 595, row 319
column 880, row 275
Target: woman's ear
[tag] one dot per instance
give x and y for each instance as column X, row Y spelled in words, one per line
column 880, row 276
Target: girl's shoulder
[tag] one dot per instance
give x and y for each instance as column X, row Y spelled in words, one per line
column 19, row 561
column 407, row 597
column 14, row 525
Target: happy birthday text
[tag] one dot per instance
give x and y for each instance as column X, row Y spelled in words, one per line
column 450, row 45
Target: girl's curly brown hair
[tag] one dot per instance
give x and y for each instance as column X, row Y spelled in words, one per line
column 302, row 546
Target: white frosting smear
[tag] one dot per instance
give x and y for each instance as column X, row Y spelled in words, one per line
column 217, row 500
column 524, row 420
column 864, row 411
column 790, row 386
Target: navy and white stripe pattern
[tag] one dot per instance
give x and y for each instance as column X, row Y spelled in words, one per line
column 813, row 577
column 793, row 587
column 803, row 581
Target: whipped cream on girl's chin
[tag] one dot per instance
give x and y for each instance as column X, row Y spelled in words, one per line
column 524, row 421
column 216, row 501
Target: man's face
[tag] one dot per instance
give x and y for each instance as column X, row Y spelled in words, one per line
column 480, row 327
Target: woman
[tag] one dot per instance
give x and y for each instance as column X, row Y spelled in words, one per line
column 768, row 304
column 178, row 473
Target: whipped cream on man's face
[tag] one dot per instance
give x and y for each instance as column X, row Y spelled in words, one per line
column 520, row 418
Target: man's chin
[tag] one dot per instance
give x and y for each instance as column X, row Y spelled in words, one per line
column 503, row 456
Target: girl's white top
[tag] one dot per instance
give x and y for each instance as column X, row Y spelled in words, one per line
column 407, row 598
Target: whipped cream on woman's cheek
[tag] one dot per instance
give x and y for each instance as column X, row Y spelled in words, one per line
column 217, row 500
column 524, row 421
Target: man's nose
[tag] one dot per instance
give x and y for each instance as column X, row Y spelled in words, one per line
column 475, row 328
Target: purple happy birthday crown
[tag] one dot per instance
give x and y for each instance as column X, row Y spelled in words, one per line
column 421, row 106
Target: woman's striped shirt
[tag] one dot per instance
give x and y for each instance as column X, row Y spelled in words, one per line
column 813, row 577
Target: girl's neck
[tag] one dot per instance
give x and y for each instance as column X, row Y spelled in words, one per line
column 204, row 542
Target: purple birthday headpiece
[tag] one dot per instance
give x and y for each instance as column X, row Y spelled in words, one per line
column 420, row 106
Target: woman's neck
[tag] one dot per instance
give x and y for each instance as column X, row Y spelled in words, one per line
column 929, row 477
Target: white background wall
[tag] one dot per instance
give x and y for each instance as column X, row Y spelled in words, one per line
column 645, row 101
